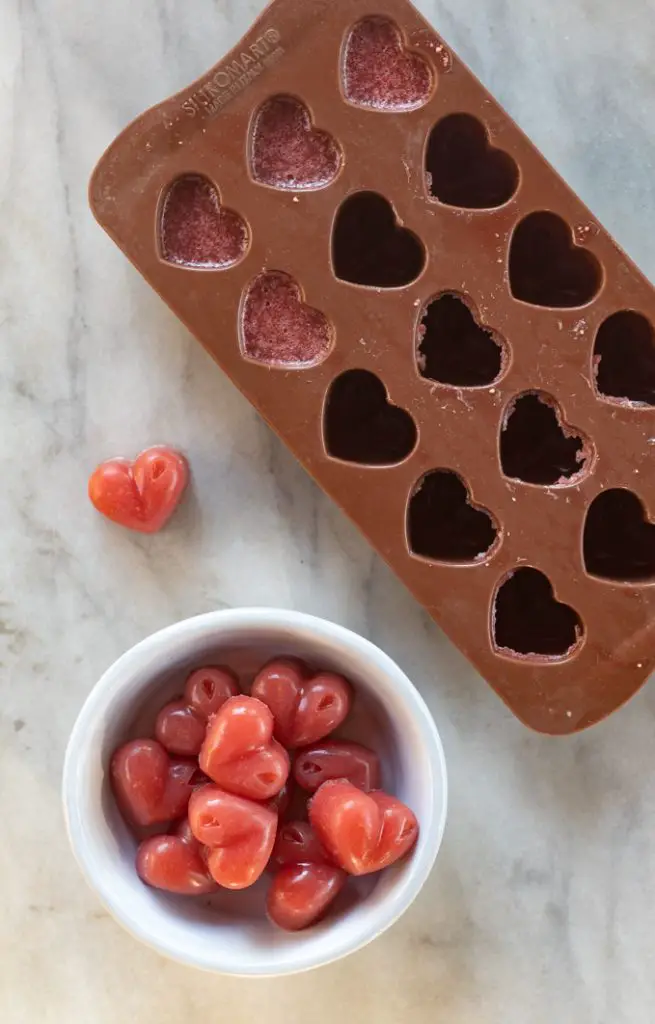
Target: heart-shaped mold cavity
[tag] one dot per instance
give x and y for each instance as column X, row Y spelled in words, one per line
column 370, row 247
column 546, row 268
column 379, row 72
column 196, row 231
column 618, row 540
column 528, row 621
column 278, row 328
column 537, row 446
column 624, row 359
column 287, row 151
column 454, row 349
column 463, row 169
column 360, row 425
column 443, row 524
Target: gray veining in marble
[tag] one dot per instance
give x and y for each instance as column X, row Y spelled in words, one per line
column 541, row 908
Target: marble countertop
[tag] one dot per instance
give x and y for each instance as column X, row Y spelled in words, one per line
column 542, row 904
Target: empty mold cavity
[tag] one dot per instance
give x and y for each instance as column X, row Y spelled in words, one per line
column 360, row 425
column 278, row 328
column 546, row 268
column 527, row 620
column 378, row 71
column 196, row 231
column 619, row 542
column 624, row 358
column 443, row 524
column 287, row 151
column 537, row 447
column 454, row 349
column 463, row 169
column 370, row 248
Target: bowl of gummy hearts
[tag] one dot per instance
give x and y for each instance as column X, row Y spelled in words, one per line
column 255, row 791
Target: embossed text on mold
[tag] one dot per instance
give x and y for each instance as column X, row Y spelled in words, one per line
column 232, row 78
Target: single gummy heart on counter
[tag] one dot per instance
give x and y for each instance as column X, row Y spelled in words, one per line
column 140, row 495
column 360, row 424
column 278, row 328
column 287, row 152
column 196, row 231
column 150, row 787
column 300, row 894
column 297, row 843
column 305, row 708
column 240, row 834
column 546, row 267
column 362, row 832
column 337, row 759
column 379, row 72
column 170, row 863
column 239, row 752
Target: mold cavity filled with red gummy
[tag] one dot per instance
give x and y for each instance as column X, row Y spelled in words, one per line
column 278, row 328
column 537, row 447
column 370, row 247
column 380, row 72
column 443, row 524
column 528, row 621
column 196, row 231
column 624, row 359
column 454, row 349
column 287, row 151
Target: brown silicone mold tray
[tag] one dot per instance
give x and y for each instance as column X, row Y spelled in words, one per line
column 431, row 320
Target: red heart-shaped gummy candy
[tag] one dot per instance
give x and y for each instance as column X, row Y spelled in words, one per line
column 180, row 728
column 150, row 787
column 207, row 689
column 362, row 832
column 305, row 708
column 171, row 863
column 239, row 752
column 297, row 843
column 337, row 759
column 141, row 495
column 240, row 835
column 301, row 893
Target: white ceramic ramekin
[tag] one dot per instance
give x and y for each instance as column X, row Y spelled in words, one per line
column 230, row 933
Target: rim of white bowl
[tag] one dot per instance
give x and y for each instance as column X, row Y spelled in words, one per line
column 119, row 676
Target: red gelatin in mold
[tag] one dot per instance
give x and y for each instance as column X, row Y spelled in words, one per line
column 278, row 328
column 196, row 231
column 379, row 72
column 287, row 151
